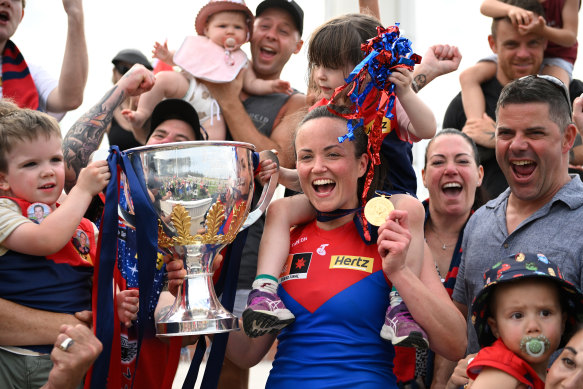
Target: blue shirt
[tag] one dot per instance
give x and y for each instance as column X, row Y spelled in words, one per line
column 556, row 230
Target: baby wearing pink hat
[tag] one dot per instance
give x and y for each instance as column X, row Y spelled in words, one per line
column 214, row 55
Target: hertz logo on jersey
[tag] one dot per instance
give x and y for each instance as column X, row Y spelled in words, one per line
column 351, row 262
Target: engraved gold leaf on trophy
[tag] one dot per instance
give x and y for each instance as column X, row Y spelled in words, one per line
column 181, row 220
column 164, row 240
column 236, row 221
column 213, row 222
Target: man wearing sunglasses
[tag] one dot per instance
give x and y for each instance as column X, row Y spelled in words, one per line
column 30, row 86
column 518, row 55
column 542, row 209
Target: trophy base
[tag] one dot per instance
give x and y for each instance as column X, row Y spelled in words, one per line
column 197, row 327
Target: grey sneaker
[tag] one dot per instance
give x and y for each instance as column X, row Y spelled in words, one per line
column 402, row 330
column 265, row 313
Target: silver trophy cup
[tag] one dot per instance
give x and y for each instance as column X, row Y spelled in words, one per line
column 202, row 192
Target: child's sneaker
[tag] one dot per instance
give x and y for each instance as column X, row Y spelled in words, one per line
column 402, row 330
column 265, row 313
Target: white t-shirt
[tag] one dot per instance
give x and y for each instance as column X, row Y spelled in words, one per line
column 44, row 83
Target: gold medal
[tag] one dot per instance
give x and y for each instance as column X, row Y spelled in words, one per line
column 377, row 209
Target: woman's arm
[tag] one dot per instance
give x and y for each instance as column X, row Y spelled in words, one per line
column 425, row 296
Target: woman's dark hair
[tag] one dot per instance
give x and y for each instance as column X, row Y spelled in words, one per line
column 480, row 197
column 360, row 146
column 453, row 131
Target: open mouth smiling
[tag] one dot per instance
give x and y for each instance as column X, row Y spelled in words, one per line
column 323, row 185
column 267, row 51
column 452, row 188
column 522, row 168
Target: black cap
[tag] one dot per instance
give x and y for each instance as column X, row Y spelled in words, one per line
column 175, row 109
column 289, row 5
column 133, row 57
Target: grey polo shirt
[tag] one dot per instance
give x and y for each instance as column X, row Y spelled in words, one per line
column 555, row 230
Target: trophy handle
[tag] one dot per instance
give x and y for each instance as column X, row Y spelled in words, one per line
column 265, row 197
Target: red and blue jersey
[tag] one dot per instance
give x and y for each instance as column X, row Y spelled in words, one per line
column 334, row 285
column 60, row 282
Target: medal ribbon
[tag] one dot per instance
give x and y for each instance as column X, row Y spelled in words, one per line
column 147, row 235
column 371, row 92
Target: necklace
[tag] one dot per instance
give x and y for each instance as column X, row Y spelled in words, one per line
column 443, row 245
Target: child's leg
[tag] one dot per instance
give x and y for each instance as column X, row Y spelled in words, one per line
column 558, row 72
column 169, row 84
column 400, row 328
column 282, row 214
column 472, row 96
column 266, row 312
column 215, row 128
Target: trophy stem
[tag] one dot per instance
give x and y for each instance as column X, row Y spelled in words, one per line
column 197, row 310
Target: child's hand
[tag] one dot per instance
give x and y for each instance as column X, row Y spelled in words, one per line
column 94, row 178
column 519, row 16
column 280, row 86
column 402, row 78
column 535, row 27
column 127, row 306
column 175, row 271
column 268, row 166
column 161, row 52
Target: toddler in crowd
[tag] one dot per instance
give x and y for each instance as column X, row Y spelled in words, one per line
column 41, row 265
column 334, row 50
column 559, row 29
column 520, row 317
column 215, row 56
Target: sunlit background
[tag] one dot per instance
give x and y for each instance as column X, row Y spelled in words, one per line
column 112, row 25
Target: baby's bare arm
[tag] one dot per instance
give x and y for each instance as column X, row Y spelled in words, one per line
column 257, row 86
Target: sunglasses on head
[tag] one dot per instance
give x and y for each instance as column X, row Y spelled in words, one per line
column 555, row 81
column 121, row 68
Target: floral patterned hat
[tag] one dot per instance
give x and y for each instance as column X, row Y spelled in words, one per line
column 518, row 267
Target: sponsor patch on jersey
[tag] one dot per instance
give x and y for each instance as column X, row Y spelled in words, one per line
column 352, row 262
column 296, row 267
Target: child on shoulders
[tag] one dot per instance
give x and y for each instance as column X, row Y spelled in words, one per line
column 334, row 50
column 223, row 27
column 559, row 29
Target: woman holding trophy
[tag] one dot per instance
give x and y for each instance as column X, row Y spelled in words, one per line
column 339, row 311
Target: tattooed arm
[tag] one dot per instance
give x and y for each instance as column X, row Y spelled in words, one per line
column 437, row 61
column 86, row 134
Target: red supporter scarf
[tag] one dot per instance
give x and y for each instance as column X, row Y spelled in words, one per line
column 17, row 83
